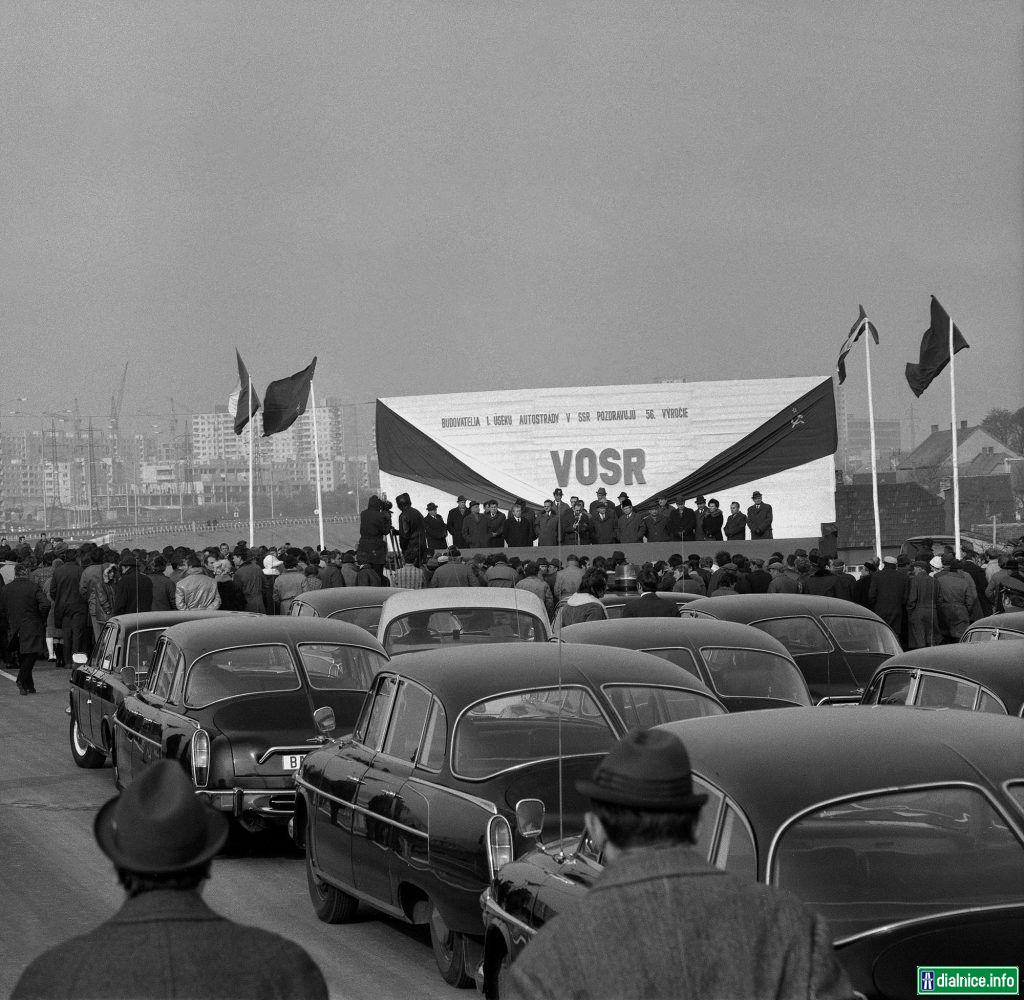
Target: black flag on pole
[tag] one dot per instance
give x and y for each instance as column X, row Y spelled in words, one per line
column 858, row 328
column 240, row 412
column 934, row 350
column 285, row 400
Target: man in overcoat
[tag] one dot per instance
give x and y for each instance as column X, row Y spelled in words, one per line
column 70, row 611
column 165, row 941
column 759, row 517
column 887, row 594
column 23, row 609
column 660, row 922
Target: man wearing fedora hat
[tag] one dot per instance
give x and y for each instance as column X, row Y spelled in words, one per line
column 759, row 517
column 660, row 921
column 165, row 941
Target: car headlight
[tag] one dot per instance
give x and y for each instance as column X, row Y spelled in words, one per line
column 201, row 758
column 499, row 843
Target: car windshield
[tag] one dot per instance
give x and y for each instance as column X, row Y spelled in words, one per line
column 640, row 706
column 754, row 673
column 516, row 729
column 140, row 648
column 901, row 854
column 861, row 635
column 228, row 673
column 800, row 635
column 430, row 629
column 330, row 666
column 985, row 634
column 367, row 618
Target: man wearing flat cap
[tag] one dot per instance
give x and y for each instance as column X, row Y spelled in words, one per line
column 660, row 922
column 165, row 941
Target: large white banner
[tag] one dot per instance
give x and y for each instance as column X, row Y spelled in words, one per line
column 637, row 439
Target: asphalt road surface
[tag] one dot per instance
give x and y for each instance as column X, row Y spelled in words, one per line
column 56, row 882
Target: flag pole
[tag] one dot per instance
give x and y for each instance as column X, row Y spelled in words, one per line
column 316, row 457
column 874, row 462
column 252, row 526
column 956, row 470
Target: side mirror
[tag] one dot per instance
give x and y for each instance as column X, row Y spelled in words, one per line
column 80, row 658
column 529, row 818
column 323, row 718
column 130, row 678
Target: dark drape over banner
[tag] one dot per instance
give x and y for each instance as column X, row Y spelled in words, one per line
column 286, row 400
column 798, row 434
column 934, row 350
column 403, row 450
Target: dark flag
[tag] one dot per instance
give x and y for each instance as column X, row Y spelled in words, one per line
column 798, row 434
column 286, row 400
column 934, row 350
column 243, row 392
column 862, row 324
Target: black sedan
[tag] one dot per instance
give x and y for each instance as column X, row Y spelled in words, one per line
column 97, row 687
column 240, row 701
column 448, row 740
column 905, row 829
column 358, row 605
column 744, row 666
column 836, row 644
column 986, row 677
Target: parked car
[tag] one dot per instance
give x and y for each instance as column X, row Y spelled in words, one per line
column 615, row 602
column 916, row 549
column 743, row 665
column 986, row 677
column 398, row 815
column 903, row 828
column 357, row 605
column 97, row 687
column 240, row 701
column 1007, row 625
column 836, row 644
column 414, row 620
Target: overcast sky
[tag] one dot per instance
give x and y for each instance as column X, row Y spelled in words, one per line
column 458, row 196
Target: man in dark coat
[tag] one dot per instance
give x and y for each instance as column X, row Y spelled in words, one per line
column 474, row 531
column 374, row 528
column 686, row 522
column 548, row 525
column 759, row 517
column 519, row 530
column 165, row 941
column 887, row 594
column 435, row 529
column 602, row 525
column 660, row 922
column 630, row 526
column 70, row 611
column 649, row 604
column 494, row 526
column 735, row 523
column 133, row 592
column 411, row 536
column 23, row 609
column 454, row 522
column 659, row 522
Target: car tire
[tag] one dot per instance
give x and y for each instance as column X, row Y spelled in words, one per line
column 449, row 952
column 118, row 783
column 332, row 905
column 84, row 755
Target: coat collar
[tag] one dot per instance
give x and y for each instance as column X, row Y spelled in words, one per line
column 164, row 904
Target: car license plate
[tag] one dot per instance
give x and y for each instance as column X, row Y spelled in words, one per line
column 291, row 761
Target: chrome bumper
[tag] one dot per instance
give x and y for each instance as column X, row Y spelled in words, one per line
column 262, row 801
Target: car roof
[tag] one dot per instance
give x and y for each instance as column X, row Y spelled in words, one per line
column 613, row 597
column 195, row 637
column 442, row 598
column 1012, row 620
column 164, row 619
column 462, row 676
column 762, row 758
column 998, row 666
column 329, row 599
column 754, row 607
column 651, row 633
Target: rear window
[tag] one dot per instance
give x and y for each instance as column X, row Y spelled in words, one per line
column 754, row 673
column 988, row 634
column 861, row 635
column 367, row 618
column 229, row 673
column 420, row 630
column 512, row 730
column 900, row 854
column 330, row 666
column 642, row 706
column 680, row 656
column 800, row 635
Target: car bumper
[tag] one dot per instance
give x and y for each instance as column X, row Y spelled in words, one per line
column 272, row 803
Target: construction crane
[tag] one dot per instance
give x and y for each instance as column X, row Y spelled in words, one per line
column 116, row 401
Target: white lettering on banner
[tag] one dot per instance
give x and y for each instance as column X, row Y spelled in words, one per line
column 626, row 467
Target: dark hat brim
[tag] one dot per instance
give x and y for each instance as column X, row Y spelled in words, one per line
column 105, row 831
column 636, row 798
